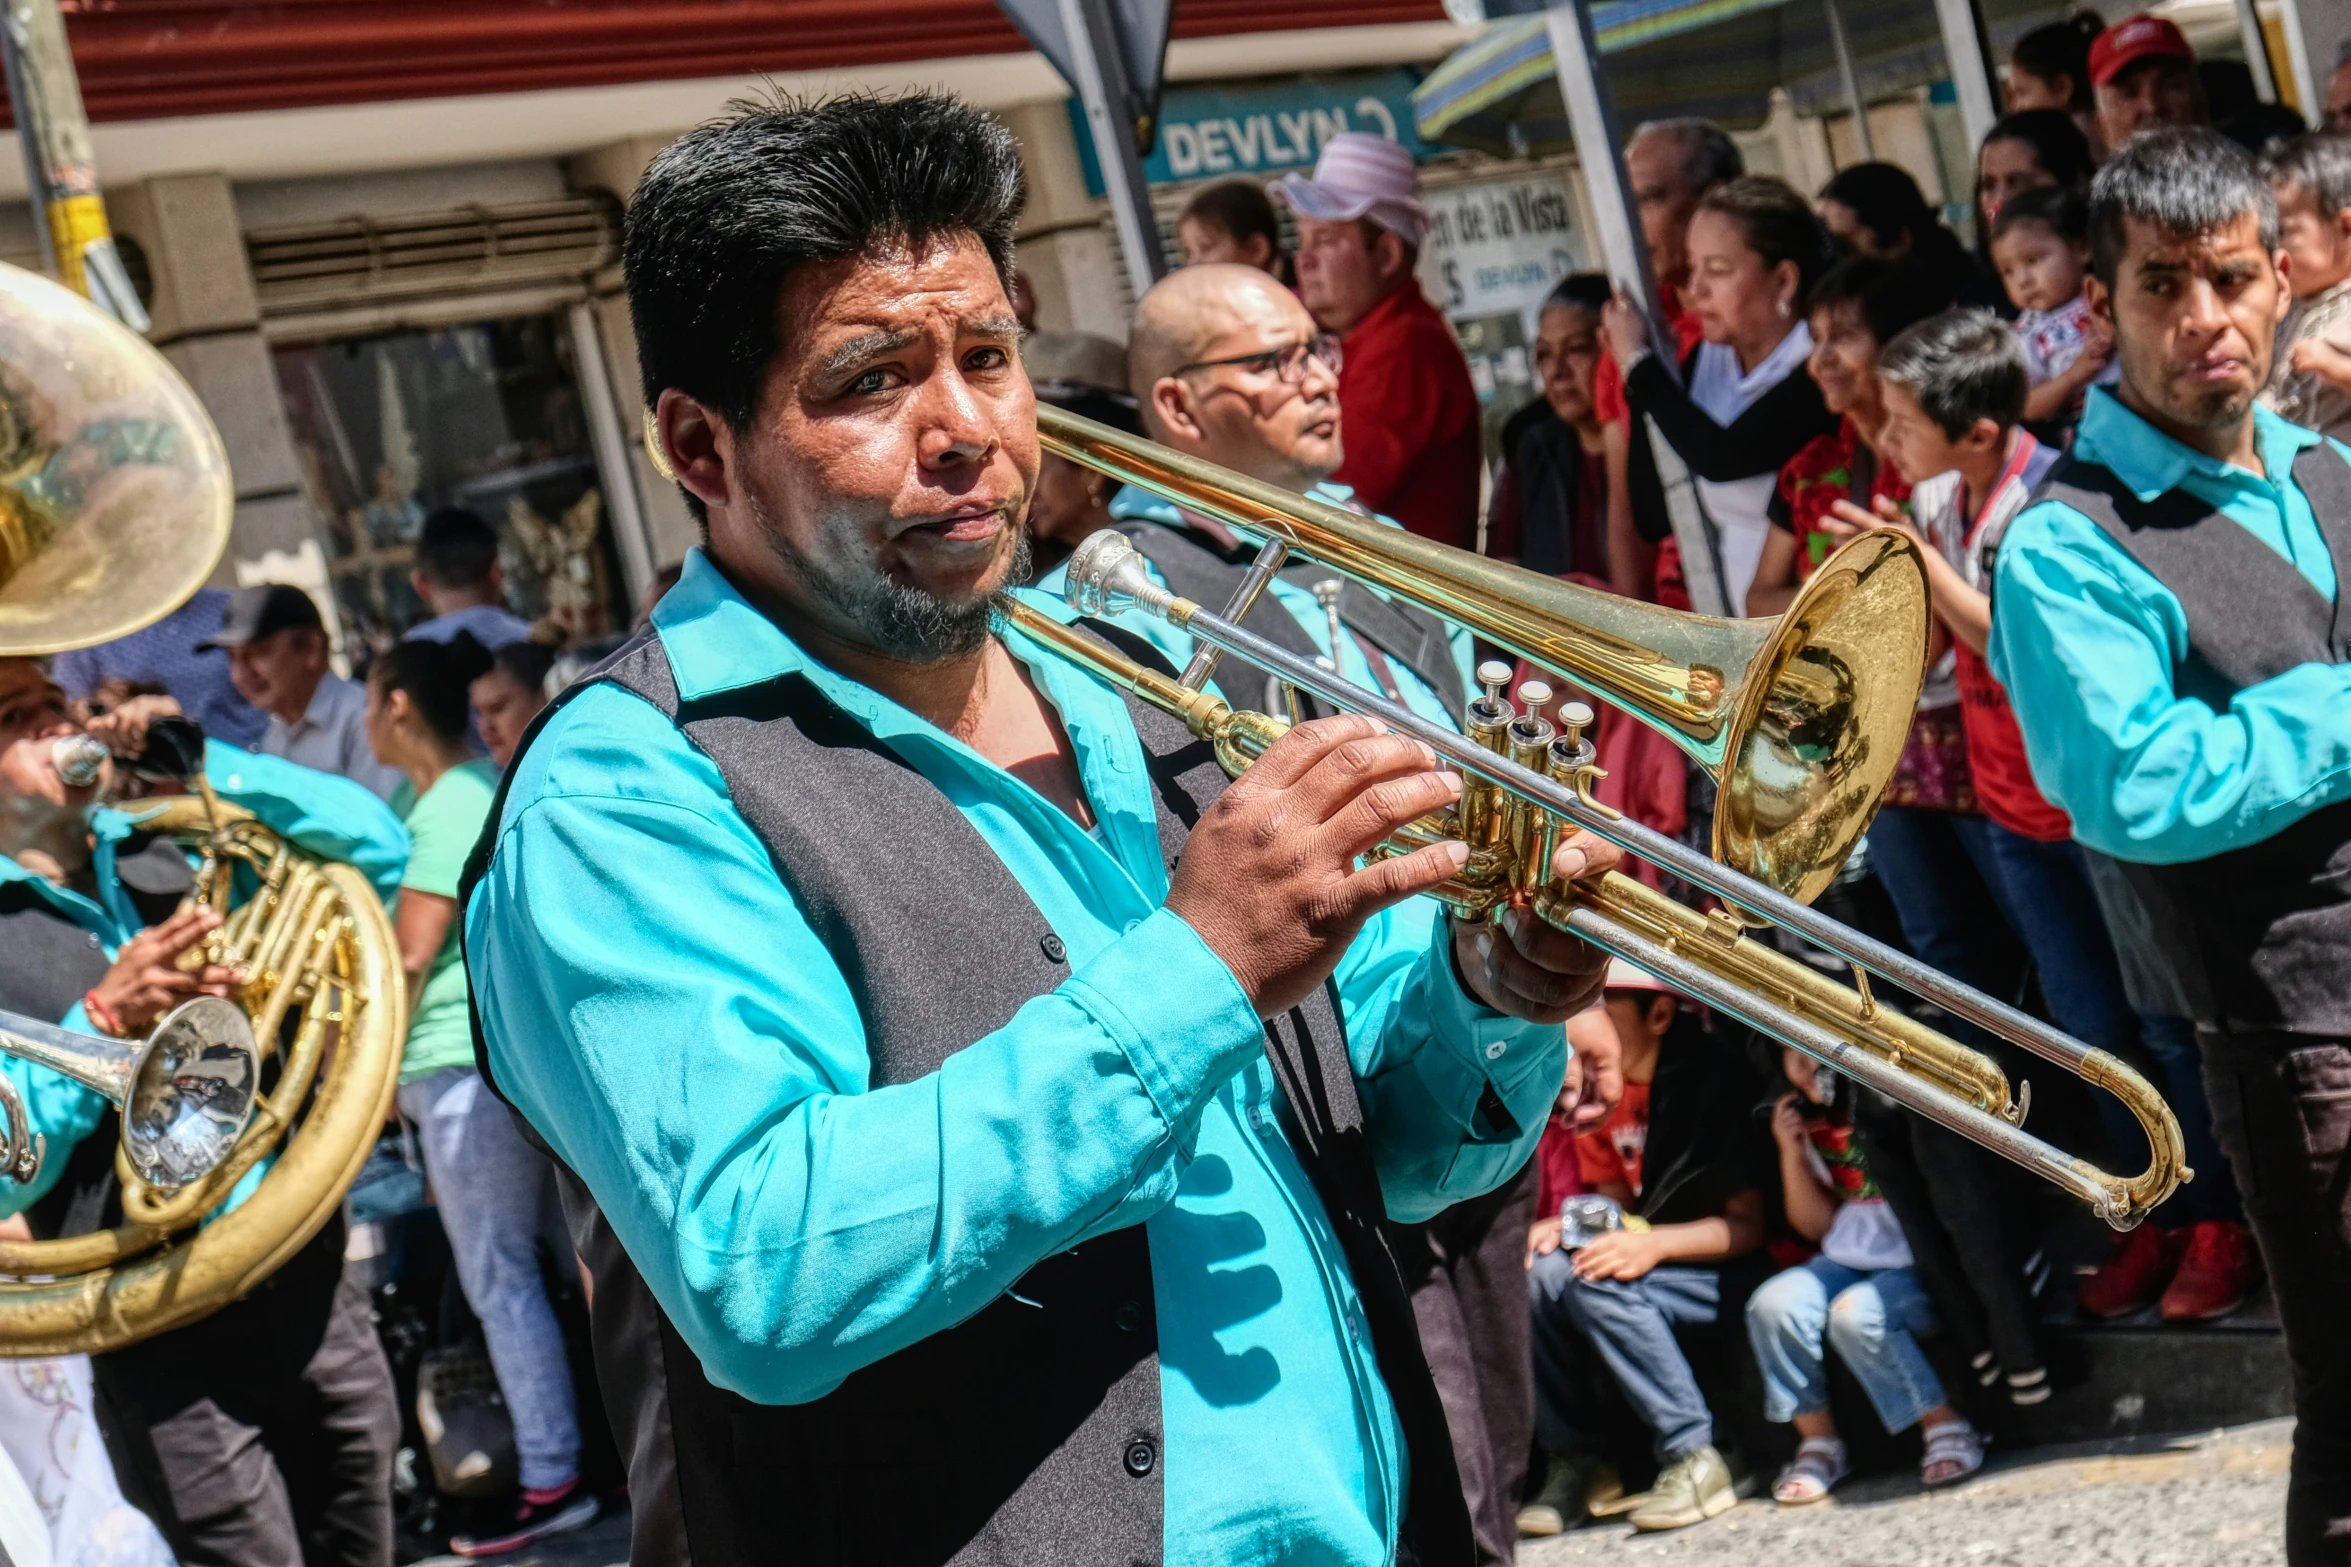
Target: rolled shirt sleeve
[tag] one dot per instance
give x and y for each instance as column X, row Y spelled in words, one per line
column 1455, row 1094
column 2086, row 640
column 794, row 1224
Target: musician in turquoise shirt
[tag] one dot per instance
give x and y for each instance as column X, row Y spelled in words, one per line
column 656, row 1002
column 327, row 816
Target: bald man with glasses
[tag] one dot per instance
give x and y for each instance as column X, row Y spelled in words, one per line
column 1226, row 365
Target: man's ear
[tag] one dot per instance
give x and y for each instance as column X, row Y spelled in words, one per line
column 2285, row 266
column 2101, row 299
column 1662, row 1008
column 1171, row 407
column 696, row 444
column 1391, row 258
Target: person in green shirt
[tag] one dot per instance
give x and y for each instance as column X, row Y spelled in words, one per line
column 491, row 1186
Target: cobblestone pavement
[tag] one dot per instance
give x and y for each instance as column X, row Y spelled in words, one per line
column 2206, row 1501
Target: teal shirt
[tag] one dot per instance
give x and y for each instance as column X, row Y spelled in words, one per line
column 656, row 1003
column 328, row 816
column 2085, row 639
column 1237, row 674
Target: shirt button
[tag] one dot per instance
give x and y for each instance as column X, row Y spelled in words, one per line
column 1128, row 1316
column 1141, row 1457
column 1496, row 1050
column 1054, row 951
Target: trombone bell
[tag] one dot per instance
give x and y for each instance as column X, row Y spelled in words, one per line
column 1800, row 721
column 184, row 1092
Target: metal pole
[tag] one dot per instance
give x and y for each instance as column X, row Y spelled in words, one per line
column 2265, row 82
column 1102, row 88
column 1591, row 116
column 610, row 439
column 2302, row 60
column 1963, row 47
column 1852, row 83
column 61, row 172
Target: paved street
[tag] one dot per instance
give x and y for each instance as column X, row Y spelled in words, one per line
column 2211, row 1501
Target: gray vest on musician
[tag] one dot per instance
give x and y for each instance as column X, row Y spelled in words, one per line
column 1029, row 1433
column 2261, row 934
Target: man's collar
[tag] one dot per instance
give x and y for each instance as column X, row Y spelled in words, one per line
column 2150, row 462
column 715, row 639
column 325, row 698
column 1394, row 302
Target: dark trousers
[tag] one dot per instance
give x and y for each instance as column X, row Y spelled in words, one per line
column 2281, row 1104
column 1467, row 1271
column 1938, row 872
column 270, row 1425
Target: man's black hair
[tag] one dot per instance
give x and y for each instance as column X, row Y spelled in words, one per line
column 456, row 548
column 1962, row 365
column 729, row 209
column 2180, row 180
column 2062, row 212
column 2318, row 162
column 1889, row 294
column 1581, row 291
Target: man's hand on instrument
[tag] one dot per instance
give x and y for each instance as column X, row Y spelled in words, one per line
column 147, row 981
column 1527, row 969
column 1269, row 879
column 123, row 729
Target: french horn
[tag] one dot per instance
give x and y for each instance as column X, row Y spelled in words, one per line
column 115, row 506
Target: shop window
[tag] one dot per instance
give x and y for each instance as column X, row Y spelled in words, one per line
column 487, row 416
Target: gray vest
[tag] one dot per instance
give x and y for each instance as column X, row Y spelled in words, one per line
column 2262, row 934
column 1030, row 1432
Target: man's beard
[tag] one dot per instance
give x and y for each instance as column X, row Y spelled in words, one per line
column 897, row 620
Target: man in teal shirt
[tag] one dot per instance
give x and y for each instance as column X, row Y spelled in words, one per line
column 831, row 942
column 2168, row 621
column 273, row 1421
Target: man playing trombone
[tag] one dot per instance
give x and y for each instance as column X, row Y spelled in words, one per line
column 271, row 1424
column 947, row 1065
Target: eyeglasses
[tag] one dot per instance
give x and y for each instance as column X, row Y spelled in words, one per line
column 1288, row 363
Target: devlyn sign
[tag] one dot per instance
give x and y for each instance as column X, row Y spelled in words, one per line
column 1261, row 130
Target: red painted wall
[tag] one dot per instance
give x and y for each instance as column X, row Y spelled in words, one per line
column 140, row 59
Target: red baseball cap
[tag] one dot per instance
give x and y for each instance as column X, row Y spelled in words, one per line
column 2134, row 38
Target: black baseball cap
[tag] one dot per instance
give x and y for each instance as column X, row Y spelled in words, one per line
column 258, row 611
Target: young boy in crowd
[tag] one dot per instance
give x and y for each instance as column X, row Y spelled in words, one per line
column 1954, row 386
column 2310, row 383
column 2041, row 244
column 1680, row 1157
column 1859, row 1295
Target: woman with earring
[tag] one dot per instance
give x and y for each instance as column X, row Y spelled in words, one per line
column 1743, row 405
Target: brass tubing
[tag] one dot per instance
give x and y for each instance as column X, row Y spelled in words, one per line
column 1710, row 957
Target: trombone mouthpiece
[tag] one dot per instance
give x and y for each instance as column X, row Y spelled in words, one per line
column 1107, row 576
column 79, row 760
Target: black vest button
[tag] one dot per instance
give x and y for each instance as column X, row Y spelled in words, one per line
column 1054, row 951
column 1129, row 1316
column 1140, row 1457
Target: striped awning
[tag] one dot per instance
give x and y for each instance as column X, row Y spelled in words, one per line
column 1715, row 58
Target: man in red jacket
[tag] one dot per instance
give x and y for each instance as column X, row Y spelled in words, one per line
column 1406, row 406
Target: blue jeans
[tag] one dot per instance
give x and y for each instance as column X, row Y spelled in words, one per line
column 495, row 1192
column 1872, row 1319
column 1627, row 1329
column 2049, row 898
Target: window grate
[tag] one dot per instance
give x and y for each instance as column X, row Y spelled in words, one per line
column 364, row 260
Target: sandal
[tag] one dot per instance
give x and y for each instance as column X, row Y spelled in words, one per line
column 1954, row 1451
column 1818, row 1465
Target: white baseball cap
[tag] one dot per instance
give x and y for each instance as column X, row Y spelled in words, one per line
column 1359, row 176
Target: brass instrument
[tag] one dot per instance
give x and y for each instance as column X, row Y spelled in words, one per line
column 1799, row 720
column 115, row 503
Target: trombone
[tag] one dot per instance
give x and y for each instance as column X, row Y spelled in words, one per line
column 1800, row 721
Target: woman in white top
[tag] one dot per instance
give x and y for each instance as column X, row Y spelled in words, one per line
column 1745, row 404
